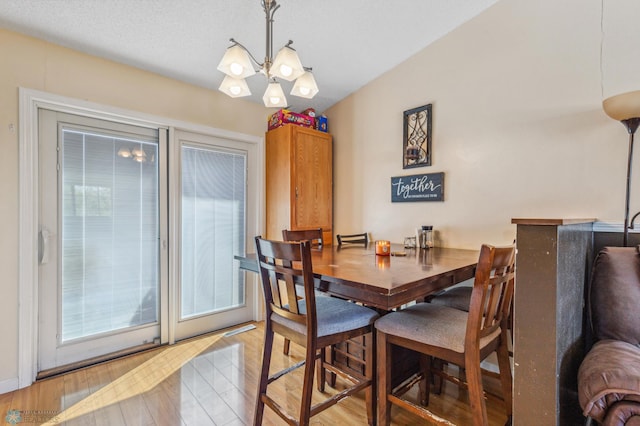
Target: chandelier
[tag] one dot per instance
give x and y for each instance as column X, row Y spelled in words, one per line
column 238, row 64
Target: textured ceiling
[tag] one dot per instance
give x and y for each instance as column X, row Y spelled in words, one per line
column 348, row 43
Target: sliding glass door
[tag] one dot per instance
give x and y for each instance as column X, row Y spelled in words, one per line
column 213, row 228
column 135, row 249
column 101, row 263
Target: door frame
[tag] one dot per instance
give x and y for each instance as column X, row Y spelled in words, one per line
column 29, row 102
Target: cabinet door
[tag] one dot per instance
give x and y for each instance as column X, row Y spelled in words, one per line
column 312, row 176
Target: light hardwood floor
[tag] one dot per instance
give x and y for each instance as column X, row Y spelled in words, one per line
column 210, row 380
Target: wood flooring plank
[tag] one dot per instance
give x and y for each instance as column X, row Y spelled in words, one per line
column 75, row 388
column 106, row 411
column 50, row 398
column 5, row 403
column 213, row 385
column 161, row 408
column 78, row 406
column 217, row 408
column 129, row 396
column 51, row 394
column 25, row 402
column 205, row 396
column 182, row 388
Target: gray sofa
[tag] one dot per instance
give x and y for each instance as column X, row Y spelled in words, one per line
column 609, row 376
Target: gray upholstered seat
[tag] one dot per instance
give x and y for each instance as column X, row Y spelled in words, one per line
column 432, row 325
column 334, row 316
column 456, row 297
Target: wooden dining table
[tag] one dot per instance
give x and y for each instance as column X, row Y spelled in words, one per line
column 356, row 273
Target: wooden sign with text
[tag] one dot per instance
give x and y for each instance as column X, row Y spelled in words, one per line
column 424, row 187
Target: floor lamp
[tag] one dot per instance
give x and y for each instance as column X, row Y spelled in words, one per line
column 626, row 109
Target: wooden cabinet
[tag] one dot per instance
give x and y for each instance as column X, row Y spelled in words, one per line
column 299, row 181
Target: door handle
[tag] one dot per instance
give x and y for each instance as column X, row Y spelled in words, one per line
column 44, row 246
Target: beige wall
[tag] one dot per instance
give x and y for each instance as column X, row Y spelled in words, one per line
column 34, row 64
column 518, row 126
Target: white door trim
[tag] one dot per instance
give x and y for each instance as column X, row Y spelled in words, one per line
column 29, row 102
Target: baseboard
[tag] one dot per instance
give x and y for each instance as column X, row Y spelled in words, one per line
column 8, row 385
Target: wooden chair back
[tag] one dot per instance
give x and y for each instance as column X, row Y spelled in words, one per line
column 289, row 264
column 313, row 235
column 492, row 293
column 362, row 239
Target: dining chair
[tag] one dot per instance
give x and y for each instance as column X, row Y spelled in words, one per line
column 314, row 323
column 459, row 297
column 454, row 336
column 361, row 239
column 313, row 235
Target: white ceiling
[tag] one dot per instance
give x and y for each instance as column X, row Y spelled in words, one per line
column 348, row 43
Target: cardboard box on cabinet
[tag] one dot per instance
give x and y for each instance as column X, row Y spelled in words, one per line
column 322, row 123
column 284, row 116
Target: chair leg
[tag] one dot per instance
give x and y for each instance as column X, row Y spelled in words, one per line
column 327, row 356
column 436, row 379
column 425, row 383
column 331, row 359
column 506, row 380
column 476, row 392
column 370, row 373
column 264, row 376
column 307, row 386
column 321, row 374
column 383, row 361
column 285, row 346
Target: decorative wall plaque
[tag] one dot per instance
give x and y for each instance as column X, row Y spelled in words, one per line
column 416, row 150
column 424, row 187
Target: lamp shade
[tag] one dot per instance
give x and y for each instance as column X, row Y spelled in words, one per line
column 236, row 62
column 305, row 86
column 124, row 153
column 623, row 106
column 287, row 65
column 234, row 87
column 139, row 155
column 274, row 96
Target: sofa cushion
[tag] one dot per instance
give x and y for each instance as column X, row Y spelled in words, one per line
column 609, row 373
column 614, row 295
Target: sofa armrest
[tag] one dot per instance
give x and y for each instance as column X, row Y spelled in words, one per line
column 609, row 373
column 623, row 413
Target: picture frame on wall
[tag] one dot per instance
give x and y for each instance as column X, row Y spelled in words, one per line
column 416, row 149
